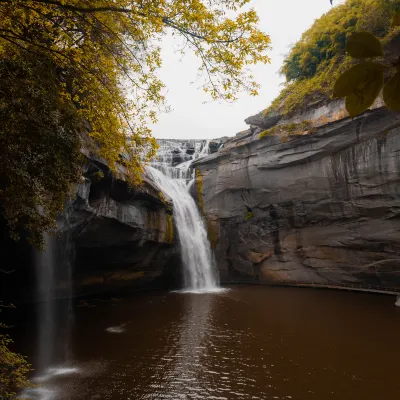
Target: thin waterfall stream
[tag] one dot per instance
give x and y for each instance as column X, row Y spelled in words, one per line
column 44, row 287
column 55, row 316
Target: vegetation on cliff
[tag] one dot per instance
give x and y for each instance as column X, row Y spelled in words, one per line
column 319, row 58
column 39, row 138
column 70, row 67
column 13, row 366
column 362, row 83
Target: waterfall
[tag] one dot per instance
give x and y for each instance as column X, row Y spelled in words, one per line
column 54, row 295
column 174, row 157
column 205, row 150
column 44, row 265
column 199, row 266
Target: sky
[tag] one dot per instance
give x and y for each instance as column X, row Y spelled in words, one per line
column 193, row 115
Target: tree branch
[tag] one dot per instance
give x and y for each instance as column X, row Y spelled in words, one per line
column 167, row 21
column 81, row 9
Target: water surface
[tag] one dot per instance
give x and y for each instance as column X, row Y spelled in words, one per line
column 248, row 343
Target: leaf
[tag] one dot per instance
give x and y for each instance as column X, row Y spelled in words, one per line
column 363, row 45
column 396, row 19
column 391, row 93
column 355, row 77
column 365, row 93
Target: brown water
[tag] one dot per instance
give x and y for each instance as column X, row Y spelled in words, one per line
column 248, row 343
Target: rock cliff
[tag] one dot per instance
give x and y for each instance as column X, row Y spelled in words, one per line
column 123, row 236
column 313, row 197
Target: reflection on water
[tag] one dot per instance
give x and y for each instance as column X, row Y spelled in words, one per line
column 247, row 343
column 188, row 357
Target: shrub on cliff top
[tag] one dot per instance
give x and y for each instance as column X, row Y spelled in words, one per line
column 319, row 58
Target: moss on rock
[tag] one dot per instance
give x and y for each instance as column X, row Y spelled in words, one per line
column 169, row 229
column 199, row 186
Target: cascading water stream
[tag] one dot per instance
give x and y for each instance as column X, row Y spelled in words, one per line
column 199, row 266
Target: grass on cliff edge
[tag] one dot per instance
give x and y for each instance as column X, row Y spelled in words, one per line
column 319, row 58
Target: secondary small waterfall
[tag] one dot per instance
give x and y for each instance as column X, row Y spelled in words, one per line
column 199, row 266
column 55, row 316
column 45, row 284
column 54, row 296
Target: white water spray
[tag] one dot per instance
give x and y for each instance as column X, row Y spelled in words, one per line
column 199, row 266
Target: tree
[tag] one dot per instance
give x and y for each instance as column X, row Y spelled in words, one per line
column 102, row 57
column 319, row 57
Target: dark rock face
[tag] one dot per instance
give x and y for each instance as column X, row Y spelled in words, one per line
column 114, row 237
column 123, row 236
column 321, row 207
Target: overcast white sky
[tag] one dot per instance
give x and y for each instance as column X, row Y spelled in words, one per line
column 190, row 118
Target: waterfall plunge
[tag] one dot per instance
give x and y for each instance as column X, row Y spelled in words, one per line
column 200, row 273
column 199, row 266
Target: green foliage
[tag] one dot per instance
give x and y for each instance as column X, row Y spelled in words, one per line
column 362, row 83
column 293, row 128
column 267, row 132
column 363, row 45
column 326, row 39
column 98, row 176
column 249, row 215
column 13, row 367
column 391, row 92
column 288, row 129
column 13, row 370
column 40, row 145
column 396, row 19
column 319, row 58
column 199, row 186
column 161, row 196
column 169, row 231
